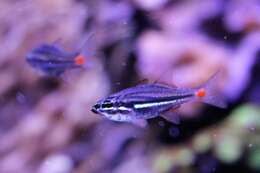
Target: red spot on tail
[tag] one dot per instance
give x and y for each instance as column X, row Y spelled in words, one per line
column 201, row 92
column 80, row 60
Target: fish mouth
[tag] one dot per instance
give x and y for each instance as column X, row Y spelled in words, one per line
column 94, row 110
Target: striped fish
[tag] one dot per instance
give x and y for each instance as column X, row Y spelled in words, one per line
column 53, row 60
column 136, row 104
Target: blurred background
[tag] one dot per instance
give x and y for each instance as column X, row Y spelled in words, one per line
column 46, row 125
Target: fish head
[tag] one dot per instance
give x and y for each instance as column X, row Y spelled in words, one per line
column 104, row 106
column 96, row 108
column 112, row 109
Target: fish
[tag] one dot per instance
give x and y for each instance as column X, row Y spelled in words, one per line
column 53, row 60
column 145, row 101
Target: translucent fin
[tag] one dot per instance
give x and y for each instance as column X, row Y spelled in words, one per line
column 171, row 117
column 143, row 81
column 86, row 42
column 167, row 85
column 209, row 93
column 140, row 122
column 163, row 80
column 85, row 51
column 57, row 42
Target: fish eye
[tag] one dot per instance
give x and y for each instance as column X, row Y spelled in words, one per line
column 97, row 106
column 107, row 105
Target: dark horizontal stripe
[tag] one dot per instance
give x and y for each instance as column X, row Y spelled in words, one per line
column 37, row 60
column 51, row 63
column 155, row 100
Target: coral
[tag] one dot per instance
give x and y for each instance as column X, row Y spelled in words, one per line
column 46, row 125
column 223, row 139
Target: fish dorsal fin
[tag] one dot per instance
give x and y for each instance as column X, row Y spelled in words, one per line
column 143, row 81
column 160, row 81
column 146, row 81
column 57, row 42
column 166, row 84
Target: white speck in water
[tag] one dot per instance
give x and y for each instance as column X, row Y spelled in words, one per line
column 250, row 145
column 225, row 37
column 252, row 128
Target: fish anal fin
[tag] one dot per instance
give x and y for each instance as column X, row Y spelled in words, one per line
column 171, row 116
column 140, row 122
column 174, row 109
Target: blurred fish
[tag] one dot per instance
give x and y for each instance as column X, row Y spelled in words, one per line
column 145, row 101
column 54, row 60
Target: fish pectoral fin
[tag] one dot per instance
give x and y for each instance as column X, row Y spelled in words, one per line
column 171, row 117
column 140, row 122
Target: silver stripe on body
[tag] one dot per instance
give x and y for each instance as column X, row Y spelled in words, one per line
column 147, row 105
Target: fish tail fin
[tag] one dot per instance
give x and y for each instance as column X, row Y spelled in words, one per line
column 210, row 94
column 85, row 50
column 80, row 60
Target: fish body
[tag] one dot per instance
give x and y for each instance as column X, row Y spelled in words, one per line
column 53, row 60
column 146, row 101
